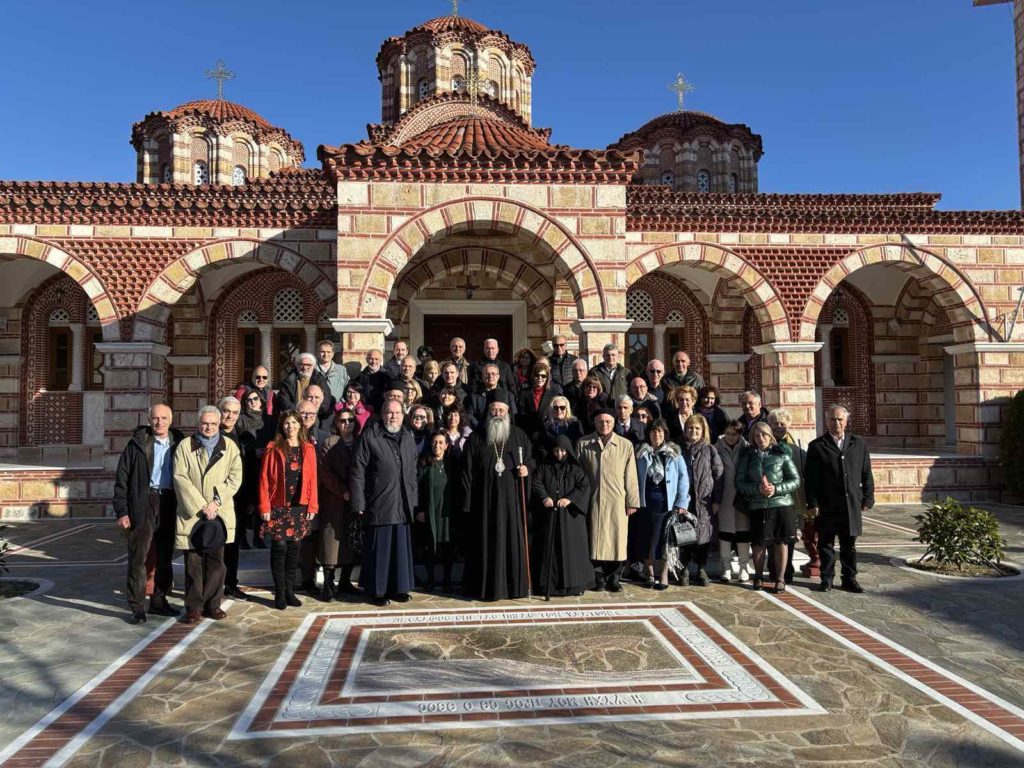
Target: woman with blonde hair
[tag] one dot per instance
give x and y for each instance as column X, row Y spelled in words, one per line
column 767, row 478
column 705, row 468
column 680, row 406
column 431, row 372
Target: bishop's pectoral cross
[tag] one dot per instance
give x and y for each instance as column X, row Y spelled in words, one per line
column 682, row 86
column 220, row 73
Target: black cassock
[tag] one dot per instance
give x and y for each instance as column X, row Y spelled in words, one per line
column 561, row 553
column 495, row 560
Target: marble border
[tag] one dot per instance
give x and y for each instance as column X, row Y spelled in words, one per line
column 290, row 700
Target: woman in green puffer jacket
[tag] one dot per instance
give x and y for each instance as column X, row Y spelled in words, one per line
column 767, row 478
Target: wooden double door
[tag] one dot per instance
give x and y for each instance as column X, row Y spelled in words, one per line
column 439, row 330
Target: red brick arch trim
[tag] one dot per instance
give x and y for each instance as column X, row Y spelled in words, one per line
column 77, row 270
column 178, row 277
column 514, row 272
column 951, row 289
column 758, row 291
column 482, row 213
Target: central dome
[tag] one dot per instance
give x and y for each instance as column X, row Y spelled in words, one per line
column 454, row 24
column 218, row 109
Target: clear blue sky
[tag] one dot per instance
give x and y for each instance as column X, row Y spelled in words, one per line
column 864, row 96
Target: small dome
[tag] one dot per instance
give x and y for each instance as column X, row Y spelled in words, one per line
column 684, row 121
column 477, row 135
column 218, row 109
column 454, row 24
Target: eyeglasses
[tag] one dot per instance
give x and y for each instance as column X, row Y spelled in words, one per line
column 540, row 376
column 253, row 399
column 346, row 421
column 261, row 378
column 419, row 417
column 307, row 415
column 655, row 370
column 560, row 345
column 557, row 407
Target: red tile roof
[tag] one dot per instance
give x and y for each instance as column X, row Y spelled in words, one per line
column 658, row 208
column 218, row 109
column 687, row 122
column 477, row 136
column 453, row 23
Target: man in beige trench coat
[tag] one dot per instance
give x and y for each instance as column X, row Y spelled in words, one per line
column 610, row 465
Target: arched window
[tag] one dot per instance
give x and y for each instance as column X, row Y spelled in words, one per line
column 458, row 84
column 167, row 173
column 288, row 306
column 201, row 173
column 703, row 181
column 238, row 176
column 639, row 338
column 668, row 178
column 490, row 88
column 734, row 183
column 424, row 89
column 59, row 316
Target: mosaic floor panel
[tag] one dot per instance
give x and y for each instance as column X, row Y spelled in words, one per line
column 347, row 672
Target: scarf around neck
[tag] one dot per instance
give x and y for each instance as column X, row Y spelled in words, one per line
column 209, row 443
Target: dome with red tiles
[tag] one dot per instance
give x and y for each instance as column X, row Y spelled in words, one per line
column 476, row 135
column 453, row 24
column 219, row 109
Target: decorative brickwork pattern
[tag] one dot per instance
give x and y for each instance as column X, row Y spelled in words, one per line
column 858, row 397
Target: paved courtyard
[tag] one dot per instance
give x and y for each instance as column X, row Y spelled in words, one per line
column 919, row 671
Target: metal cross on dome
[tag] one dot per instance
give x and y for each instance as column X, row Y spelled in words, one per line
column 682, row 86
column 220, row 73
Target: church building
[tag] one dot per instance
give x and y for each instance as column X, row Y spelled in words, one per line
column 457, row 215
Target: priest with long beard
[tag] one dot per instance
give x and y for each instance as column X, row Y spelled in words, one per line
column 496, row 456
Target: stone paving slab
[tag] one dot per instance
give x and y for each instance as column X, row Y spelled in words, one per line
column 52, row 645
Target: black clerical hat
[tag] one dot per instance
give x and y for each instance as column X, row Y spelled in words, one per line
column 499, row 395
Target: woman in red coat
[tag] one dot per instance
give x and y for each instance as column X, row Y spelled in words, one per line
column 287, row 502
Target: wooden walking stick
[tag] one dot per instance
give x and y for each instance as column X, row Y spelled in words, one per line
column 526, row 536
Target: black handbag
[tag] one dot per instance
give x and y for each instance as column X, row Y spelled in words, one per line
column 681, row 532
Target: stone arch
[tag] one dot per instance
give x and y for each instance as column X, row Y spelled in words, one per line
column 758, row 291
column 942, row 279
column 180, row 275
column 671, row 293
column 509, row 269
column 76, row 269
column 506, row 216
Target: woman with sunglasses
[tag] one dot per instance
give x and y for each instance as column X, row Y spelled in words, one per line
column 559, row 421
column 535, row 398
column 254, row 429
column 353, row 403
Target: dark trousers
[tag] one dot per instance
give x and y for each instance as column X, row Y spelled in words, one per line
column 307, row 557
column 607, row 571
column 697, row 553
column 151, row 551
column 828, row 531
column 231, row 562
column 204, row 579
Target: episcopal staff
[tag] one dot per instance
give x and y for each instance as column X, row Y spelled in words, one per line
column 495, row 555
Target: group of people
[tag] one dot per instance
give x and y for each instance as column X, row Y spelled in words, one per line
column 545, row 474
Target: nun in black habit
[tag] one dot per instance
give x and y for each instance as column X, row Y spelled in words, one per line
column 561, row 498
column 497, row 462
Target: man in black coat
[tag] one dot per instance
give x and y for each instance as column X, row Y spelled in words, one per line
column 476, row 404
column 561, row 361
column 682, row 375
column 399, row 352
column 839, row 487
column 147, row 510
column 292, row 389
column 506, row 379
column 384, row 495
column 374, row 380
column 626, row 424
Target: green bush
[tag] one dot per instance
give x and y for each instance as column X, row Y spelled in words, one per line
column 957, row 536
column 1012, row 445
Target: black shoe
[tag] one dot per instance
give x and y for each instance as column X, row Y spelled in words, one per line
column 236, row 594
column 614, row 586
column 702, row 578
column 280, row 602
column 327, row 592
column 851, row 585
column 756, row 584
column 825, row 586
column 380, row 601
column 309, row 587
column 137, row 617
column 346, row 587
column 660, row 587
column 684, row 578
column 599, row 587
column 292, row 600
column 403, row 598
column 160, row 607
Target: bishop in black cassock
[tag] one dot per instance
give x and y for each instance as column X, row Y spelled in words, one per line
column 495, row 541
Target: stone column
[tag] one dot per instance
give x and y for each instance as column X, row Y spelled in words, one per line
column 726, row 373
column 77, row 357
column 359, row 336
column 266, row 352
column 788, row 380
column 310, row 330
column 594, row 334
column 826, row 356
column 986, row 375
column 133, row 381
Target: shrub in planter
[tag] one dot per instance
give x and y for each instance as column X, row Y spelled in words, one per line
column 957, row 536
column 1012, row 445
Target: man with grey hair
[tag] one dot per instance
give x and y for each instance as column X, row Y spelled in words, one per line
column 399, row 351
column 611, row 373
column 753, row 412
column 384, row 494
column 457, row 350
column 230, row 409
column 373, row 379
column 292, row 389
column 839, row 488
column 682, row 375
column 207, row 474
column 146, row 510
column 506, row 378
column 561, row 361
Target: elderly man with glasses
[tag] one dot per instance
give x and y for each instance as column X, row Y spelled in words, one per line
column 656, row 384
column 261, row 386
column 292, row 389
column 561, row 361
